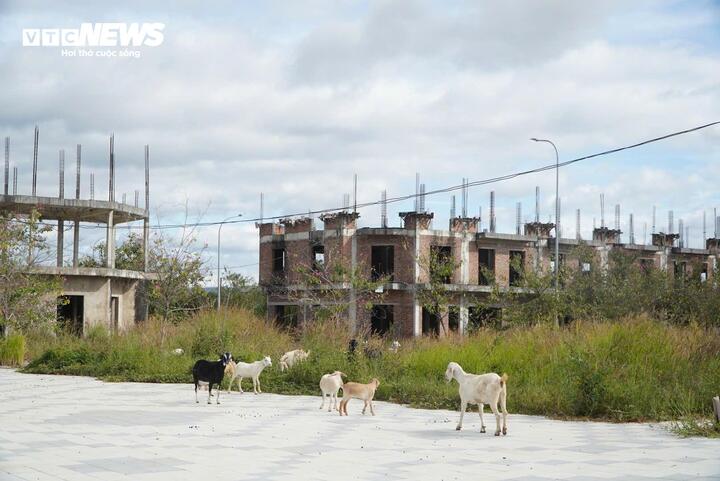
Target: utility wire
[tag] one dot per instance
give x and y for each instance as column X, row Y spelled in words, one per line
column 491, row 180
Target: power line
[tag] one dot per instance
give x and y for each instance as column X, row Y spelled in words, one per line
column 476, row 183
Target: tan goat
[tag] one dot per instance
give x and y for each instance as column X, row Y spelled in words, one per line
column 355, row 390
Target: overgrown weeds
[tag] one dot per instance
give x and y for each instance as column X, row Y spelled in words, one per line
column 635, row 370
column 12, row 350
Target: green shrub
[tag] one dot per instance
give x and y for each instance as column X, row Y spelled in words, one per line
column 12, row 350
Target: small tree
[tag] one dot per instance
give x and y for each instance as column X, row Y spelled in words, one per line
column 241, row 291
column 327, row 287
column 128, row 255
column 438, row 266
column 177, row 265
column 180, row 270
column 27, row 300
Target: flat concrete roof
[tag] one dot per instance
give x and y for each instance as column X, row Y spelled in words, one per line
column 83, row 210
column 91, row 272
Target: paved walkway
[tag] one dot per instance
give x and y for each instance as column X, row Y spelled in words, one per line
column 75, row 428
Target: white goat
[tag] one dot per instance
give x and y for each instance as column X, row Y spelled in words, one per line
column 291, row 357
column 251, row 370
column 395, row 346
column 480, row 389
column 330, row 384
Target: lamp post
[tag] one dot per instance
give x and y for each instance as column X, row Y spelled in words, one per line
column 556, row 266
column 218, row 258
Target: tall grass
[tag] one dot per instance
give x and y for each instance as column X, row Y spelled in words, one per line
column 635, row 370
column 12, row 350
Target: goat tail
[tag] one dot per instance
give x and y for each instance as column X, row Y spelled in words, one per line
column 503, row 380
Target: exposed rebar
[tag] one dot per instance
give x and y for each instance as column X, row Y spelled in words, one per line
column 77, row 171
column 383, row 209
column 61, row 160
column 577, row 224
column 7, row 166
column 492, row 211
column 35, row 159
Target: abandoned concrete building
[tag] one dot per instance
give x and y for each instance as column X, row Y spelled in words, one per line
column 288, row 247
column 91, row 295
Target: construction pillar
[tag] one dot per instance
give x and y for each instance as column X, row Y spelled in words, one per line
column 76, row 243
column 464, row 317
column 417, row 308
column 110, row 242
column 353, row 294
column 60, row 242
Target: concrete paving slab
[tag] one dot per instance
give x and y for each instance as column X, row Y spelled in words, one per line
column 78, row 428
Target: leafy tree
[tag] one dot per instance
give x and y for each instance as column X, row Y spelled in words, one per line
column 129, row 254
column 176, row 265
column 179, row 271
column 97, row 258
column 623, row 288
column 241, row 291
column 27, row 300
column 329, row 287
column 438, row 267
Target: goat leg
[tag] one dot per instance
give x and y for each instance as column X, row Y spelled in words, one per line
column 463, row 407
column 495, row 411
column 481, row 408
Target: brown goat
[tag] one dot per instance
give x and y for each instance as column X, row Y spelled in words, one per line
column 366, row 392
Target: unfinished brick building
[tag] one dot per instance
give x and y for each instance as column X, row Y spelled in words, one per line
column 291, row 248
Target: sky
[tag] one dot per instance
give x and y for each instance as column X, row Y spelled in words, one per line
column 292, row 98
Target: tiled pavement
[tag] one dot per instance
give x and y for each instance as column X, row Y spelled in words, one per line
column 75, row 428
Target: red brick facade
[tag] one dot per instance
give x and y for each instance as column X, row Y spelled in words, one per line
column 344, row 248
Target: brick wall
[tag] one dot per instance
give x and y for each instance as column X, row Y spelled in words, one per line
column 404, row 255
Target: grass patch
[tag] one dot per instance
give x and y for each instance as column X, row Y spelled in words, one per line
column 696, row 427
column 12, row 350
column 637, row 370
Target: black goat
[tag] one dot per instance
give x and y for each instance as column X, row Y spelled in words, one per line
column 352, row 346
column 211, row 372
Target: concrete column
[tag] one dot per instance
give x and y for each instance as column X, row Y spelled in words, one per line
column 417, row 318
column 465, row 260
column 60, row 242
column 463, row 315
column 663, row 259
column 417, row 308
column 146, row 243
column 76, row 243
column 110, row 241
column 353, row 295
column 603, row 258
column 108, row 312
column 465, row 280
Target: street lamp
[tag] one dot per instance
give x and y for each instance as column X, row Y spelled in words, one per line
column 557, row 210
column 218, row 258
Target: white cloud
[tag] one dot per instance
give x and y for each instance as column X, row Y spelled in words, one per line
column 296, row 104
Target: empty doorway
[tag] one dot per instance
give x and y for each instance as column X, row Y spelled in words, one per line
column 70, row 314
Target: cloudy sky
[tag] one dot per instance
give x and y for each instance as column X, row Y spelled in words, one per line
column 293, row 98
